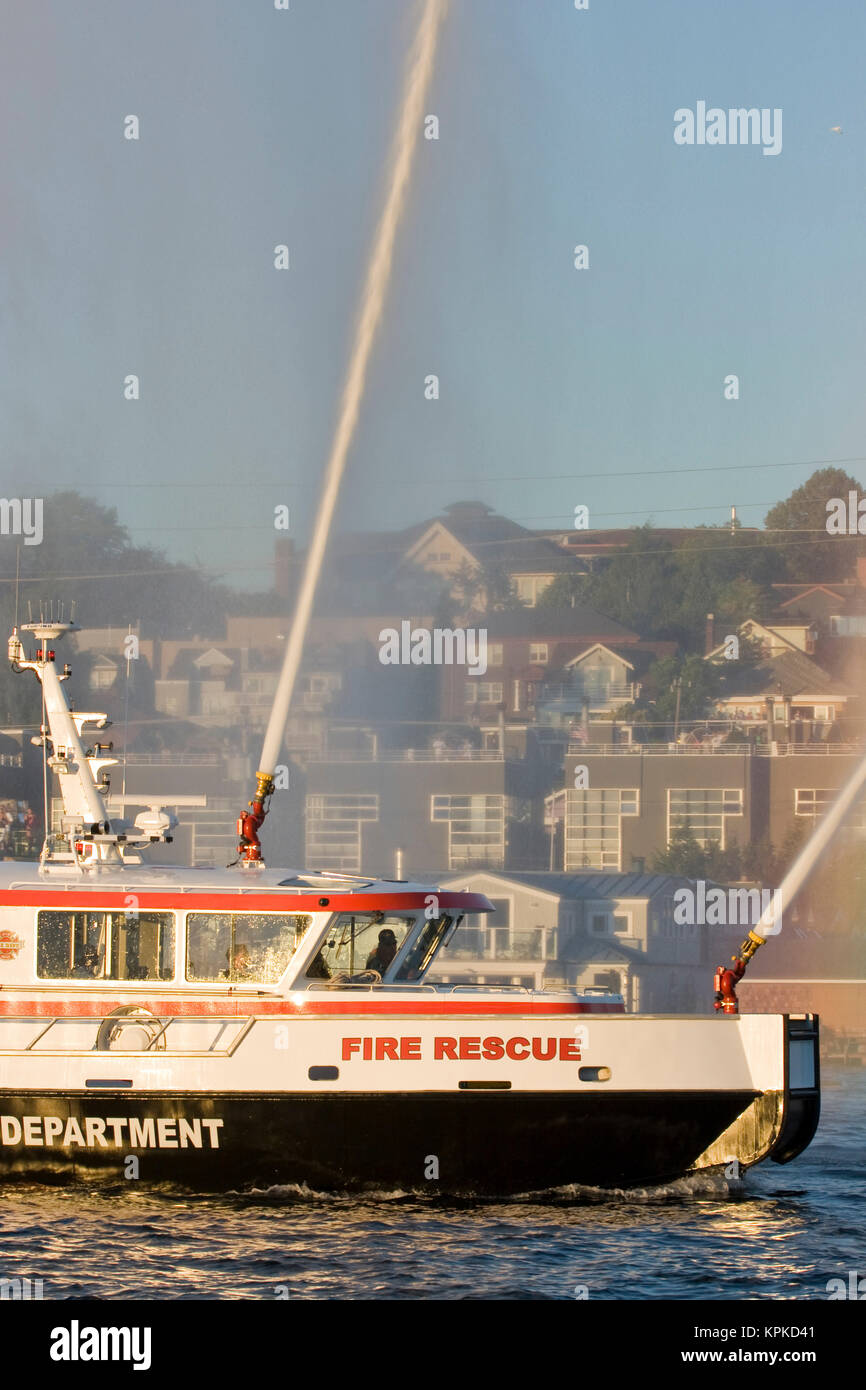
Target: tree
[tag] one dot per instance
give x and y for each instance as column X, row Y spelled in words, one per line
column 565, row 591
column 683, row 855
column 87, row 560
column 810, row 552
column 699, row 682
column 666, row 592
column 486, row 587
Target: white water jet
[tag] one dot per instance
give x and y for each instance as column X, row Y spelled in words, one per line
column 408, row 133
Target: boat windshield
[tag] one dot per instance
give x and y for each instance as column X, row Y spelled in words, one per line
column 420, row 955
column 358, row 942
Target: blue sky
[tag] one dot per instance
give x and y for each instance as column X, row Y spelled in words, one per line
column 556, row 128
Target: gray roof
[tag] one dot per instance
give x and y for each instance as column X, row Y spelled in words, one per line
column 587, row 885
column 494, row 539
column 594, row 952
column 793, row 671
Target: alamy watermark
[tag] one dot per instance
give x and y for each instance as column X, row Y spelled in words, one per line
column 441, row 646
column 22, row 1289
column 22, row 516
column 736, row 126
column 854, row 1289
column 846, row 518
column 707, row 905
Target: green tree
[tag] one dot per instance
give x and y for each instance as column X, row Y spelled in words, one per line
column 566, row 591
column 699, row 682
column 684, row 855
column 810, row 552
column 487, row 588
column 666, row 592
column 88, row 561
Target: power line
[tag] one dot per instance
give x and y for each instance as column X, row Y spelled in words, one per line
column 400, row 480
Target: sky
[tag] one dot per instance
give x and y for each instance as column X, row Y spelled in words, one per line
column 558, row 387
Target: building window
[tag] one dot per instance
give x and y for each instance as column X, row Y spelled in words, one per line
column 334, row 830
column 528, row 587
column 812, row 802
column 483, row 692
column 854, row 626
column 103, row 677
column 494, row 653
column 593, row 827
column 703, row 812
column 476, row 829
column 538, row 653
column 598, row 924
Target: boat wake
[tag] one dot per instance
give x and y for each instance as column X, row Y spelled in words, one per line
column 693, row 1185
column 708, row 1185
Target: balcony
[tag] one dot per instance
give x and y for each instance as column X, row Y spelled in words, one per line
column 617, row 692
column 497, row 944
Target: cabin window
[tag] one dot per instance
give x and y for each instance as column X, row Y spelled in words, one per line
column 241, row 947
column 359, row 941
column 105, row 945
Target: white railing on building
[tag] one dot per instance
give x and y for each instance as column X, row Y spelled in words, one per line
column 601, row 695
column 407, row 755
column 740, row 750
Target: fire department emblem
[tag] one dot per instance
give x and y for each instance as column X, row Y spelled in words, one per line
column 10, row 945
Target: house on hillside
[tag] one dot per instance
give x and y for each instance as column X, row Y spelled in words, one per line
column 470, row 536
column 785, row 689
column 598, row 681
column 612, row 932
column 535, row 656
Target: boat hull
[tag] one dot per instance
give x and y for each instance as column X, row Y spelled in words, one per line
column 481, row 1142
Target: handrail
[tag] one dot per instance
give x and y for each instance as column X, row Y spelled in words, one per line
column 165, row 1020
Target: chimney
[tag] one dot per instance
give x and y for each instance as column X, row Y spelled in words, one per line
column 710, row 634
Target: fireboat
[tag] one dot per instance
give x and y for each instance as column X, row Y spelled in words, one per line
column 255, row 1026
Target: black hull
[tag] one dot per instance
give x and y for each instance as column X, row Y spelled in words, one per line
column 489, row 1143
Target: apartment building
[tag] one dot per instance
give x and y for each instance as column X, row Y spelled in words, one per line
column 621, row 803
column 443, row 806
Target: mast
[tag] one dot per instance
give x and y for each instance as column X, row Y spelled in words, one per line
column 83, row 804
column 92, row 838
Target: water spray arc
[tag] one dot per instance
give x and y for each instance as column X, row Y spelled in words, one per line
column 727, row 977
column 417, row 83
